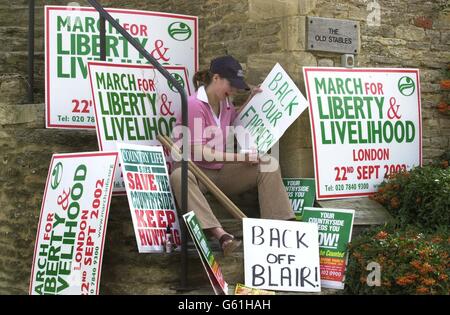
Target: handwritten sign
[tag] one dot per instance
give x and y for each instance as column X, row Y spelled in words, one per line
column 281, row 255
column 268, row 114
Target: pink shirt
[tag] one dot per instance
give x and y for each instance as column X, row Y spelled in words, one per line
column 202, row 114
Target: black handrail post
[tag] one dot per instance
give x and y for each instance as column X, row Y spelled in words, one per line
column 30, row 52
column 184, row 121
column 102, row 38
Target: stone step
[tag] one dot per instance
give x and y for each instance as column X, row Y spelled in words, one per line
column 367, row 211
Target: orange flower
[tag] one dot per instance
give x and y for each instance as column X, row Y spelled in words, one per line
column 416, row 264
column 443, row 277
column 436, row 239
column 426, row 267
column 428, row 282
column 381, row 235
column 395, row 203
column 402, row 281
column 442, row 107
column 445, row 84
column 422, row 290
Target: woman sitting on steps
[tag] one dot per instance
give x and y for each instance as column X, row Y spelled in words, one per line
column 210, row 113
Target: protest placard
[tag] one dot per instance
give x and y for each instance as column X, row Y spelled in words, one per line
column 335, row 232
column 72, row 38
column 206, row 255
column 365, row 125
column 150, row 196
column 133, row 104
column 268, row 114
column 71, row 233
column 301, row 193
column 281, row 255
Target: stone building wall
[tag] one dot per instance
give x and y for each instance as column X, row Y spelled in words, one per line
column 259, row 33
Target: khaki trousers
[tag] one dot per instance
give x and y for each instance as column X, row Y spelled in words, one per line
column 234, row 179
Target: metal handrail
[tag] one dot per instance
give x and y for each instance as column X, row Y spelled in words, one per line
column 184, row 114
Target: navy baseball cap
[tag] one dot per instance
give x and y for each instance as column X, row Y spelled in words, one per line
column 229, row 68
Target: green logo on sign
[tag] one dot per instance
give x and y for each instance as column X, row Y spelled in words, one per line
column 179, row 79
column 179, row 31
column 406, row 86
column 56, row 175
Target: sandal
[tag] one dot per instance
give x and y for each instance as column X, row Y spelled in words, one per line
column 228, row 244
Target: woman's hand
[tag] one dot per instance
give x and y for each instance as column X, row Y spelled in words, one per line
column 253, row 91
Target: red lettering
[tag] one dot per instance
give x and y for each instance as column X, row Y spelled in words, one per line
column 150, row 220
column 367, row 171
column 140, row 218
column 130, row 181
column 170, row 218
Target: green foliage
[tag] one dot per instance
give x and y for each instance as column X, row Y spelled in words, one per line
column 411, row 262
column 420, row 197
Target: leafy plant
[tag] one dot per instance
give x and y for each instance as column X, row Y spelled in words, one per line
column 420, row 197
column 411, row 262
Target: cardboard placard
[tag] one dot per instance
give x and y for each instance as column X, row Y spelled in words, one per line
column 150, row 196
column 72, row 38
column 335, row 232
column 365, row 125
column 133, row 104
column 72, row 225
column 281, row 255
column 301, row 193
column 268, row 114
column 206, row 255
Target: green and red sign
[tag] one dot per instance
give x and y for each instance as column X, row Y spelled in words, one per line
column 150, row 196
column 365, row 124
column 72, row 38
column 335, row 232
column 206, row 255
column 133, row 104
column 71, row 233
column 301, row 193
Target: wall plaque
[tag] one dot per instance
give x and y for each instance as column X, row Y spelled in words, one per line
column 332, row 35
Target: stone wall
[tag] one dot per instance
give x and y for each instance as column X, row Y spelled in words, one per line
column 259, row 33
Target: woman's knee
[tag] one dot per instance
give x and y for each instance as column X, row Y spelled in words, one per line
column 269, row 164
column 175, row 177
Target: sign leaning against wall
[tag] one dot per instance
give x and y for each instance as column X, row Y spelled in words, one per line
column 72, row 39
column 133, row 104
column 365, row 125
column 72, row 226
